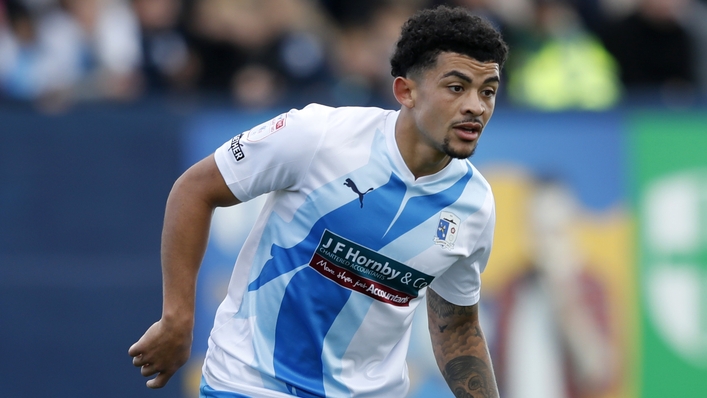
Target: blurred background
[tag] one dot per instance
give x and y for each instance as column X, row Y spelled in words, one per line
column 597, row 154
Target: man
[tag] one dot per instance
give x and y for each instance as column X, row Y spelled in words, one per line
column 368, row 212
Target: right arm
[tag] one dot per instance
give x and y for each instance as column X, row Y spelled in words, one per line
column 166, row 345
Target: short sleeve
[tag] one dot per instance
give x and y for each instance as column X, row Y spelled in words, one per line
column 461, row 283
column 274, row 155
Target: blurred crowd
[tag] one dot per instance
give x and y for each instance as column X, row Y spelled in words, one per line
column 565, row 54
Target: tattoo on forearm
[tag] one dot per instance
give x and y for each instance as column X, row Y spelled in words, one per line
column 442, row 308
column 468, row 377
column 460, row 348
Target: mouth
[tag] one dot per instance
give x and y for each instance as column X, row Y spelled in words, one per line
column 468, row 131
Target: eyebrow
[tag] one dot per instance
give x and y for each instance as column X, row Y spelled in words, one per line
column 467, row 79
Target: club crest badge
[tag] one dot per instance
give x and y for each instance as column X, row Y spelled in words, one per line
column 447, row 230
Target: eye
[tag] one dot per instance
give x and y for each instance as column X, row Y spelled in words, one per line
column 456, row 88
column 489, row 92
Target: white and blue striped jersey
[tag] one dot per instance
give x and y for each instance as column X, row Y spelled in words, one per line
column 322, row 296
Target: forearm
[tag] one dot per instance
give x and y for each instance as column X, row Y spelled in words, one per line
column 184, row 240
column 460, row 348
column 185, row 233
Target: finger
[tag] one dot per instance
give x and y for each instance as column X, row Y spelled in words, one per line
column 148, row 370
column 159, row 381
column 137, row 347
column 139, row 360
column 134, row 349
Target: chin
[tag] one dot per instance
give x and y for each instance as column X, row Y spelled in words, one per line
column 461, row 154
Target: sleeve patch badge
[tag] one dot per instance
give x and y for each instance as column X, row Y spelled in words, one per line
column 278, row 123
column 237, row 148
column 268, row 128
column 447, row 230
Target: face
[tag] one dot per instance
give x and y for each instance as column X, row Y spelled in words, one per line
column 453, row 101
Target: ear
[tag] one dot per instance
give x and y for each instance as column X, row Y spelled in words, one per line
column 404, row 91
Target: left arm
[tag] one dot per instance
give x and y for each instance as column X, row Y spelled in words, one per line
column 460, row 348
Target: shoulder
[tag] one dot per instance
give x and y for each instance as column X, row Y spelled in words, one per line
column 335, row 115
column 312, row 111
column 345, row 126
column 360, row 115
column 320, row 109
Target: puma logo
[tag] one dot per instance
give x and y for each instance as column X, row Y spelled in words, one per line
column 349, row 183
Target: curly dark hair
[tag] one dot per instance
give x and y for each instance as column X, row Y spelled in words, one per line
column 432, row 31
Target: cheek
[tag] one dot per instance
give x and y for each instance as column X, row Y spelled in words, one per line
column 440, row 112
column 426, row 118
column 434, row 113
column 490, row 106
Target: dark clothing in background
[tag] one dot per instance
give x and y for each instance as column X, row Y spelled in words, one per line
column 650, row 53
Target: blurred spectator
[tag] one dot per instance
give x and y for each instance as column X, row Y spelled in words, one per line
column 694, row 18
column 653, row 49
column 363, row 47
column 591, row 12
column 19, row 52
column 60, row 51
column 103, row 41
column 556, row 63
column 256, row 50
column 483, row 8
column 33, row 62
column 266, row 53
column 554, row 335
column 348, row 13
column 168, row 65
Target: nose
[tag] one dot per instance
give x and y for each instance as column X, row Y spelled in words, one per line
column 473, row 105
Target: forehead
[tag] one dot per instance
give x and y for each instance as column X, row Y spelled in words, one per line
column 447, row 62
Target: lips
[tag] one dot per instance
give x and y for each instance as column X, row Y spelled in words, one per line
column 468, row 131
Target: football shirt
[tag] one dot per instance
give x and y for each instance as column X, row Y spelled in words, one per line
column 323, row 293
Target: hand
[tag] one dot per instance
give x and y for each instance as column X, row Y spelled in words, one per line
column 162, row 350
